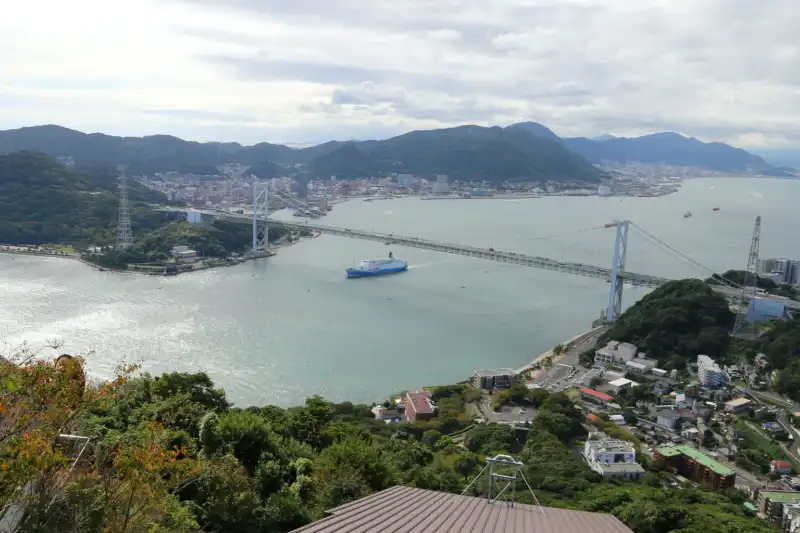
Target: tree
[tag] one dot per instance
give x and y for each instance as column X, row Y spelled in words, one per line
column 709, row 440
column 247, row 436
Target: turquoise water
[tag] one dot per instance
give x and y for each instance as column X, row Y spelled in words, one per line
column 278, row 330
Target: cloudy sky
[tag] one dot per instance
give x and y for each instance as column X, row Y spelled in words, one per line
column 311, row 70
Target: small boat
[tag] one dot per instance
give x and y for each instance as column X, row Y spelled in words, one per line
column 687, row 214
column 716, row 209
column 377, row 267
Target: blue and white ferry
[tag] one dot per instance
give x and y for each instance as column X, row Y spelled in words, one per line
column 377, row 267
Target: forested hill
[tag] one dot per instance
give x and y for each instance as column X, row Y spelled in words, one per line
column 42, row 202
column 676, row 322
column 467, row 153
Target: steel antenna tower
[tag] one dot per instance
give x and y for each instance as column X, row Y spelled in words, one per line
column 260, row 214
column 750, row 276
column 124, row 231
column 503, row 469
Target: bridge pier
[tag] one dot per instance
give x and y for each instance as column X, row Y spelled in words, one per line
column 617, row 269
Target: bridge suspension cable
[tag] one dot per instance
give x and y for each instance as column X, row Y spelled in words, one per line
column 684, row 257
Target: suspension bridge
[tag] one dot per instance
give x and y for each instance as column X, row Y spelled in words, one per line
column 616, row 274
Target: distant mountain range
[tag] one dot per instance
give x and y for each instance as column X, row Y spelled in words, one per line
column 525, row 151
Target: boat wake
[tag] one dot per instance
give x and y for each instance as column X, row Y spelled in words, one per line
column 756, row 194
column 388, row 212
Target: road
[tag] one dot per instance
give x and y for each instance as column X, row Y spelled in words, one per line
column 567, row 365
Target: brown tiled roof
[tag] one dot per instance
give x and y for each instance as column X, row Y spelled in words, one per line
column 420, row 401
column 409, row 510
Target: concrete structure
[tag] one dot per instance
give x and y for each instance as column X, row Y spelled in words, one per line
column 763, row 310
column 780, row 467
column 411, row 510
column 698, row 467
column 615, row 353
column 592, row 395
column 770, row 503
column 183, row 254
column 709, row 373
column 659, row 372
column 612, row 458
column 620, row 384
column 790, row 517
column 194, row 217
column 495, row 378
column 604, row 190
column 641, row 365
column 739, row 405
column 419, row 406
column 668, row 418
column 441, row 186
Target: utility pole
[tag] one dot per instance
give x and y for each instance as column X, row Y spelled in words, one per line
column 750, row 276
column 124, row 231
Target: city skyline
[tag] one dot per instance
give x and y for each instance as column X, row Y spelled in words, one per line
column 310, row 71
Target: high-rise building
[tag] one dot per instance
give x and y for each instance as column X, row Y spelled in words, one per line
column 709, row 373
column 780, row 269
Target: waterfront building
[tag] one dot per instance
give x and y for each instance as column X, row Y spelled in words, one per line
column 692, row 464
column 495, row 378
column 441, row 186
column 709, row 373
column 612, row 458
column 184, row 254
column 779, row 269
column 419, row 406
column 615, row 352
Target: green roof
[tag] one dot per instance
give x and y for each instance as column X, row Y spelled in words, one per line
column 749, row 506
column 781, row 497
column 703, row 459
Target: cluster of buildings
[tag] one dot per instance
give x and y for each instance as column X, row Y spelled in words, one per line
column 627, row 357
column 780, row 270
column 780, row 507
column 692, row 464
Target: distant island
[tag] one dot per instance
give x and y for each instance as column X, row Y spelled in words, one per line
column 526, row 151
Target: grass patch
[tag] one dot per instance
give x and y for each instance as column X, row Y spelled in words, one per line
column 755, row 439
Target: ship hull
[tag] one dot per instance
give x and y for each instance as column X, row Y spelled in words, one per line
column 358, row 273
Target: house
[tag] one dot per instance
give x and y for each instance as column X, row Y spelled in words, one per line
column 692, row 464
column 739, row 405
column 668, row 418
column 612, row 458
column 617, row 419
column 382, row 413
column 774, row 428
column 496, row 378
column 691, row 434
column 419, row 406
column 615, row 352
column 592, row 395
column 780, row 467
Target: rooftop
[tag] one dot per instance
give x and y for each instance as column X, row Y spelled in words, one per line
column 703, row 459
column 620, row 467
column 621, row 382
column 738, row 402
column 611, row 445
column 781, row 496
column 411, row 510
column 669, row 413
column 707, row 363
column 488, row 372
column 596, row 394
column 421, row 401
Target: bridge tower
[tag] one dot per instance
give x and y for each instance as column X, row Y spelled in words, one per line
column 750, row 278
column 617, row 269
column 260, row 214
column 124, row 231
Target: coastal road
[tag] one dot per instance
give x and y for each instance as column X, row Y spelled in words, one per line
column 567, row 364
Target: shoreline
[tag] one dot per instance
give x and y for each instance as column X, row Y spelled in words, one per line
column 557, row 358
column 271, row 252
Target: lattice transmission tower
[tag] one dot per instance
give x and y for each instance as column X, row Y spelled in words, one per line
column 124, row 231
column 750, row 277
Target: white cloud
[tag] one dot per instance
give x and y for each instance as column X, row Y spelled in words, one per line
column 307, row 70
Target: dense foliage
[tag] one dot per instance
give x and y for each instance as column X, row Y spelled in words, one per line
column 676, row 322
column 170, row 453
column 41, row 202
column 473, row 153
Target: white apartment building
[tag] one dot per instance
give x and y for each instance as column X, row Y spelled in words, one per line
column 612, row 458
column 709, row 373
column 615, row 352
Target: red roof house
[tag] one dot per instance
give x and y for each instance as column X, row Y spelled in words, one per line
column 419, row 406
column 781, row 467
